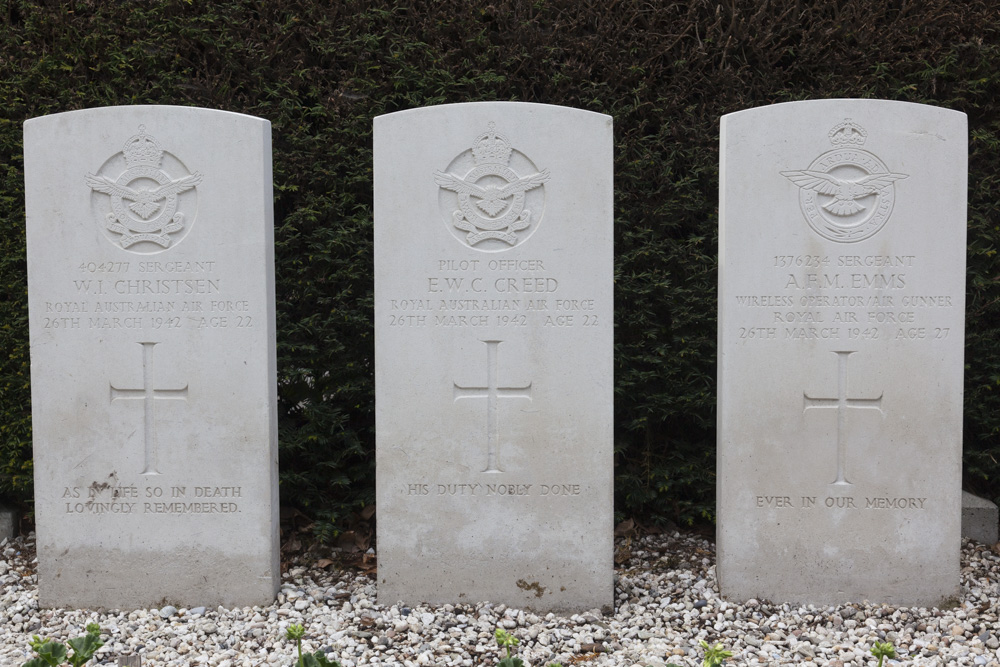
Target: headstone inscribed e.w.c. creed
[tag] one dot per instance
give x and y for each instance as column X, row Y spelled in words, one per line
column 151, row 303
column 841, row 314
column 493, row 363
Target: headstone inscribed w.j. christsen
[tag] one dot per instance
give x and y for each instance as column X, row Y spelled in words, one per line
column 151, row 309
column 841, row 314
column 493, row 367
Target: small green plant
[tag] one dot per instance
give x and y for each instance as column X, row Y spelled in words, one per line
column 714, row 655
column 882, row 650
column 507, row 641
column 51, row 654
column 317, row 659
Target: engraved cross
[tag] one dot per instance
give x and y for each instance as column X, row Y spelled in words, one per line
column 149, row 394
column 492, row 392
column 841, row 403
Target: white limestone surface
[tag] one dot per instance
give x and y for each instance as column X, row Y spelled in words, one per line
column 151, row 306
column 841, row 314
column 493, row 337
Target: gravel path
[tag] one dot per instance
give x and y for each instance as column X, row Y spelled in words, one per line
column 667, row 602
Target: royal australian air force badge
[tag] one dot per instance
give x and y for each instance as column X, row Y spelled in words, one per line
column 847, row 193
column 150, row 207
column 492, row 195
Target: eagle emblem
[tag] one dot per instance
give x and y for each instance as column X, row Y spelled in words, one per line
column 492, row 198
column 144, row 198
column 847, row 193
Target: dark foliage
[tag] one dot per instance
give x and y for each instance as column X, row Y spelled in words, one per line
column 320, row 71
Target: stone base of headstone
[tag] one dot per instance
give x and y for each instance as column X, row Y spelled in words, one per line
column 8, row 523
column 980, row 519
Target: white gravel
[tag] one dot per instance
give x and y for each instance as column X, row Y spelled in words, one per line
column 666, row 603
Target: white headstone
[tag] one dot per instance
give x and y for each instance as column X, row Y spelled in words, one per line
column 151, row 301
column 841, row 314
column 493, row 355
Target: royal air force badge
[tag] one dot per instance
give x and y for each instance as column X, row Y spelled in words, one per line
column 847, row 193
column 145, row 199
column 493, row 194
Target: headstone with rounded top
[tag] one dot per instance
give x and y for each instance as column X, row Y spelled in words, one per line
column 151, row 311
column 841, row 315
column 493, row 355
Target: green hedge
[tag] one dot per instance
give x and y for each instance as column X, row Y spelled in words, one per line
column 666, row 72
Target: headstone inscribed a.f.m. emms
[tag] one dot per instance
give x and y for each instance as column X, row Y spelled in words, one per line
column 151, row 303
column 841, row 315
column 493, row 366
